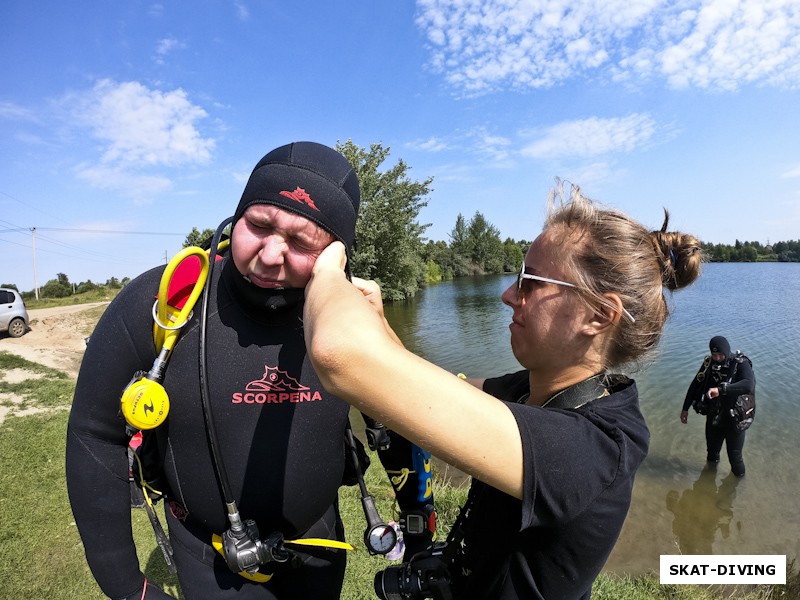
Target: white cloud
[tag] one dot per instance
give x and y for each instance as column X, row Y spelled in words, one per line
column 493, row 147
column 15, row 112
column 140, row 126
column 432, row 144
column 165, row 46
column 142, row 188
column 486, row 45
column 791, row 173
column 242, row 12
column 141, row 132
column 592, row 174
column 592, row 137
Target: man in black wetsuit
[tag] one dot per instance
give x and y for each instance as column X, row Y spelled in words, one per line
column 281, row 435
column 721, row 379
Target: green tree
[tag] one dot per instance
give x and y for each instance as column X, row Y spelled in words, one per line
column 86, row 286
column 749, row 253
column 512, row 256
column 440, row 254
column 433, row 272
column 197, row 238
column 60, row 287
column 388, row 236
column 460, row 245
column 787, row 251
column 486, row 249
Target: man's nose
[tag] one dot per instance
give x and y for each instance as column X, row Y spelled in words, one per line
column 273, row 249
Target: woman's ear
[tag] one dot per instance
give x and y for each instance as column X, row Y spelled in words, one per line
column 606, row 315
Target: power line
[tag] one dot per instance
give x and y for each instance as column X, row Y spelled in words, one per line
column 109, row 231
column 15, row 227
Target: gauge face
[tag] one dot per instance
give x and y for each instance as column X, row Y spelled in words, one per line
column 381, row 538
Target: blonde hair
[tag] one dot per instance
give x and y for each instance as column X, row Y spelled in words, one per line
column 613, row 253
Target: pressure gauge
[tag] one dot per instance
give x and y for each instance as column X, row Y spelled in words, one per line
column 380, row 538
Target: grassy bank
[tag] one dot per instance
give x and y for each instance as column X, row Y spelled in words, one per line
column 100, row 294
column 41, row 554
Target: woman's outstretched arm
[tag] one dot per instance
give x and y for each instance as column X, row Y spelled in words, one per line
column 358, row 360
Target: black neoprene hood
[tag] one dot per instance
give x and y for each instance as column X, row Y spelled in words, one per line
column 309, row 179
column 720, row 344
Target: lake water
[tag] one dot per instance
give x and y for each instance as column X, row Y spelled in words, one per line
column 679, row 507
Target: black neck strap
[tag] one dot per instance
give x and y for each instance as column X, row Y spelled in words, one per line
column 579, row 394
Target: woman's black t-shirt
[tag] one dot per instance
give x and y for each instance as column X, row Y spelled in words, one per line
column 579, row 467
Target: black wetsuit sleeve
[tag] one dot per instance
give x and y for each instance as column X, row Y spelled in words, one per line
column 744, row 381
column 696, row 389
column 96, row 448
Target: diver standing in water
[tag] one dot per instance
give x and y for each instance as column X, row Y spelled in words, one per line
column 720, row 381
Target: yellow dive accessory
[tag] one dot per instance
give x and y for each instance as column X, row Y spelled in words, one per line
column 144, row 402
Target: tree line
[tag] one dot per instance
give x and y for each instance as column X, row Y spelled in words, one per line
column 62, row 287
column 753, row 252
column 392, row 249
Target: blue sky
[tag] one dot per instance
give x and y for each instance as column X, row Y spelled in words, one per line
column 125, row 124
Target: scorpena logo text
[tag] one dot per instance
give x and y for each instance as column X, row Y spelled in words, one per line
column 275, row 387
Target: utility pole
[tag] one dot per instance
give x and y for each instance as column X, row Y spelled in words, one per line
column 33, row 245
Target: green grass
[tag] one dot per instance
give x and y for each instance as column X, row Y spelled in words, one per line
column 101, row 294
column 41, row 555
column 49, row 388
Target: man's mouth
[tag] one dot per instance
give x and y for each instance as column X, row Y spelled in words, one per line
column 264, row 282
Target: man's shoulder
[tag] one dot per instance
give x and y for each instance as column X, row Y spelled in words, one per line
column 140, row 291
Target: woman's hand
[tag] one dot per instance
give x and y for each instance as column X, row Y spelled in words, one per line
column 332, row 258
column 371, row 291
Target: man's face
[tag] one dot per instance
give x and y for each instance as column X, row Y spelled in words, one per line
column 718, row 357
column 275, row 248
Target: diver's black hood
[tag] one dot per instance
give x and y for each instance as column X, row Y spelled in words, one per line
column 720, row 344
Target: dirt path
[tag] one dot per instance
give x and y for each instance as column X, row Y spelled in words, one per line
column 57, row 336
column 56, row 339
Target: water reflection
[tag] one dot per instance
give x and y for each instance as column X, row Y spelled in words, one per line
column 461, row 325
column 702, row 510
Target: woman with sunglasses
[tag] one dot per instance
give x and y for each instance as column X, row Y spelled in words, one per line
column 552, row 449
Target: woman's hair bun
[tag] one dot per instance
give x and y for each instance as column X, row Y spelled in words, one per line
column 679, row 254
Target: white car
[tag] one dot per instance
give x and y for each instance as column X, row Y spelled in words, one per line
column 13, row 314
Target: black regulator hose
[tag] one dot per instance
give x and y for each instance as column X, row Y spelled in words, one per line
column 205, row 396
